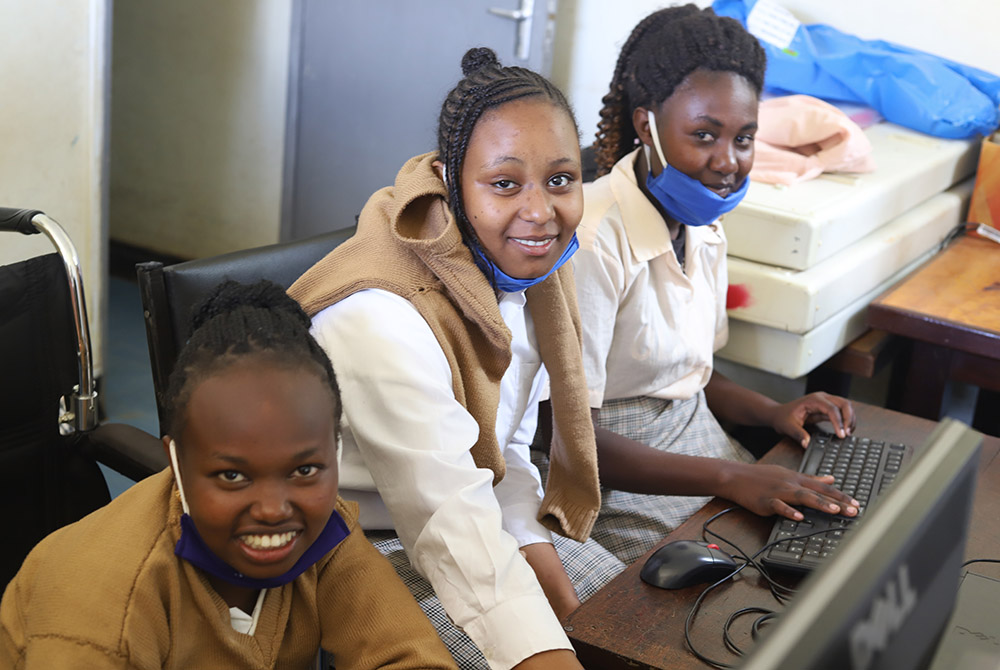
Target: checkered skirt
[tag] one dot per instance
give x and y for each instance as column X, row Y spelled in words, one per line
column 588, row 565
column 631, row 523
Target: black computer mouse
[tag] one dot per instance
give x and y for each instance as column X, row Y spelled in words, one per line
column 684, row 563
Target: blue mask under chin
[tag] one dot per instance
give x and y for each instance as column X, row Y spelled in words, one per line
column 509, row 284
column 686, row 199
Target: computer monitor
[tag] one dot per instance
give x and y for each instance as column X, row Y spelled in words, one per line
column 883, row 599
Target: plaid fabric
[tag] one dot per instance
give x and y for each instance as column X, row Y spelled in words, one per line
column 588, row 565
column 631, row 523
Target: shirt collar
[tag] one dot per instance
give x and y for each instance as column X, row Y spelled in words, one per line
column 648, row 236
column 516, row 298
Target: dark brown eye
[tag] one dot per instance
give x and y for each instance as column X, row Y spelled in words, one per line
column 231, row 476
column 306, row 470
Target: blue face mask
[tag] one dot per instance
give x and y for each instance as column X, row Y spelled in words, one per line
column 509, row 284
column 686, row 199
column 192, row 548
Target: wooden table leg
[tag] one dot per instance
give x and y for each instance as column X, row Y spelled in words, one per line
column 987, row 416
column 926, row 379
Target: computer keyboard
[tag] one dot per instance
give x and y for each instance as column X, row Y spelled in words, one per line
column 863, row 468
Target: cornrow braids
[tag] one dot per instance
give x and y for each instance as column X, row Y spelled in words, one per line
column 486, row 85
column 663, row 49
column 237, row 321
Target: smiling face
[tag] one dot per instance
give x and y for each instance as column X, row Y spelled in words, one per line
column 521, row 185
column 706, row 128
column 258, row 462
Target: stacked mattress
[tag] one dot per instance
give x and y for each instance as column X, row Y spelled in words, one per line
column 806, row 260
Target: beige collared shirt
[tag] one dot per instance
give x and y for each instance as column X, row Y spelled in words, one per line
column 406, row 459
column 650, row 328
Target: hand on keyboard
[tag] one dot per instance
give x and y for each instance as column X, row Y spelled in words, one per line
column 792, row 418
column 772, row 489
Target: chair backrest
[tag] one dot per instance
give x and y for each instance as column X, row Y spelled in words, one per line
column 170, row 292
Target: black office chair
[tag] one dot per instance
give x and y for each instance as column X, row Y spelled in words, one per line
column 170, row 292
column 50, row 436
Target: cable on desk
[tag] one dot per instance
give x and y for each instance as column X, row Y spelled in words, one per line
column 780, row 592
column 727, row 638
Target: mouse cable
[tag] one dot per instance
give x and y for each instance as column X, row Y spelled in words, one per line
column 727, row 638
column 780, row 592
column 701, row 597
column 980, row 560
column 768, row 614
column 760, row 621
column 705, row 532
column 691, row 614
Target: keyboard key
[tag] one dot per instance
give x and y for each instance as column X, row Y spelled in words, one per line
column 778, row 555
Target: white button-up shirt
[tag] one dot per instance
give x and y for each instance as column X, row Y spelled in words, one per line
column 650, row 328
column 406, row 459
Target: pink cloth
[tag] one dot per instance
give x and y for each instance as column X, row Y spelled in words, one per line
column 799, row 137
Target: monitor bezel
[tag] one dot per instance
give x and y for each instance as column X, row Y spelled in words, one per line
column 943, row 473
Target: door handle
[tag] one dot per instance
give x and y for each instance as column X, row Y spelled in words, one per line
column 523, row 17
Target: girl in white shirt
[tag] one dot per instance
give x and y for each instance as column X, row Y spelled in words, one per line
column 441, row 366
column 675, row 142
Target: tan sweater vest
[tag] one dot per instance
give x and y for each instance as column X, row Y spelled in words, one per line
column 108, row 592
column 409, row 244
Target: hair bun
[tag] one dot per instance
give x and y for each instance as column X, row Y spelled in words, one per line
column 230, row 296
column 477, row 58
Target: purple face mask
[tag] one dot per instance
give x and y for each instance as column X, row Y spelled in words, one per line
column 192, row 548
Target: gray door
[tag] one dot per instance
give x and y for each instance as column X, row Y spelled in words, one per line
column 368, row 79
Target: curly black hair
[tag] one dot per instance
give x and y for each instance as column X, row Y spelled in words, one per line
column 663, row 49
column 239, row 320
column 485, row 85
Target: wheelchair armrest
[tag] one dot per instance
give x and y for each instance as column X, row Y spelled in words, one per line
column 126, row 449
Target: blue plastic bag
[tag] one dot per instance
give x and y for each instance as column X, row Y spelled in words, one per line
column 908, row 87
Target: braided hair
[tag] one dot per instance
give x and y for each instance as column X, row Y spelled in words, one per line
column 236, row 321
column 663, row 49
column 486, row 85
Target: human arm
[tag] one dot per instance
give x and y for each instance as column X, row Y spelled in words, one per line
column 520, row 492
column 731, row 402
column 415, row 439
column 551, row 574
column 628, row 465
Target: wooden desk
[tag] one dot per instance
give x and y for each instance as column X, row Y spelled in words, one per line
column 950, row 310
column 629, row 624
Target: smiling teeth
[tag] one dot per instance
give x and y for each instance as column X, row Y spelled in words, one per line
column 532, row 243
column 268, row 541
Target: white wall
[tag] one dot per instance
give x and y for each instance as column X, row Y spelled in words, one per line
column 198, row 124
column 590, row 34
column 53, row 75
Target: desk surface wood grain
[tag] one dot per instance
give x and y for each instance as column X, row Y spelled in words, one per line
column 629, row 624
column 953, row 300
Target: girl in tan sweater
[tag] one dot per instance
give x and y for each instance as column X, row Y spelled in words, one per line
column 241, row 555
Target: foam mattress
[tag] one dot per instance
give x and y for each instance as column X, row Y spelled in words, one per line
column 799, row 301
column 798, row 226
column 795, row 354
